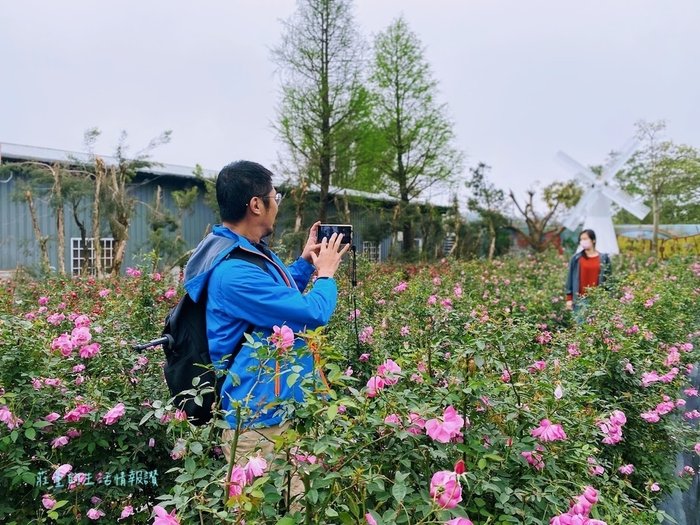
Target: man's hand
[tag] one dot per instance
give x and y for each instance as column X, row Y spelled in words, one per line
column 311, row 245
column 569, row 305
column 330, row 253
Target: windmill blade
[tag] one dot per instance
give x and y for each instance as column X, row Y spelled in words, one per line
column 578, row 213
column 625, row 201
column 627, row 151
column 576, row 167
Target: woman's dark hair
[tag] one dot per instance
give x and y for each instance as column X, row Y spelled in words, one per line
column 239, row 182
column 591, row 236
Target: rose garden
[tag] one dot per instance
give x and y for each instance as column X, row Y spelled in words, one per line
column 461, row 392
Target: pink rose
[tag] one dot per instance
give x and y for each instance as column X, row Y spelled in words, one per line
column 61, row 472
column 450, row 427
column 114, row 414
column 95, row 514
column 375, row 384
column 255, row 468
column 48, row 501
column 64, row 344
column 459, row 521
column 126, row 512
column 626, row 469
column 445, row 489
column 81, row 336
column 82, row 321
column 59, row 442
column 89, row 351
column 282, row 338
column 163, row 518
column 238, row 481
column 548, row 431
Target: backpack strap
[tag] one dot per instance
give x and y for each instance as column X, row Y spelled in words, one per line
column 247, row 256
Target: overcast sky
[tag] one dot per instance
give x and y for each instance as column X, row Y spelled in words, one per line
column 522, row 78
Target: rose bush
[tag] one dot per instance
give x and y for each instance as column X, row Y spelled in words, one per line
column 457, row 393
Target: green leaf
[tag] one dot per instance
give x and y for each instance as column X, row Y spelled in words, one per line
column 332, row 412
column 312, row 496
column 60, row 504
column 353, row 506
column 331, row 513
column 196, row 447
column 399, row 492
column 145, row 418
column 198, row 400
column 347, row 519
column 286, row 520
column 30, row 433
column 291, row 379
column 29, row 478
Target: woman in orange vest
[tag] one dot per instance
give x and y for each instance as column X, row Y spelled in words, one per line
column 587, row 268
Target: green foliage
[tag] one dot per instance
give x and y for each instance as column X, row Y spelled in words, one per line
column 416, row 128
column 489, row 202
column 666, row 175
column 322, row 117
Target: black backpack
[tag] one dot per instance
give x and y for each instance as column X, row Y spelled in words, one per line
column 186, row 348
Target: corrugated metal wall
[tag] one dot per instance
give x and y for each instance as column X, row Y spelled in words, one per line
column 19, row 246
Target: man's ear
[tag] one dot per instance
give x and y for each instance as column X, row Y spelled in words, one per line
column 254, row 205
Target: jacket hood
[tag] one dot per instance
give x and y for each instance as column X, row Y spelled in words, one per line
column 210, row 252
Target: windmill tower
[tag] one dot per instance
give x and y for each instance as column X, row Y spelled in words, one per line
column 594, row 210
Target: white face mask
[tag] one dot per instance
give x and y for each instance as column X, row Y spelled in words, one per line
column 586, row 244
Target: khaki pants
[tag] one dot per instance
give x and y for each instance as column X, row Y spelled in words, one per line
column 249, row 441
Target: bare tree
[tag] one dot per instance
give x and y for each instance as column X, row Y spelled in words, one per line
column 557, row 196
column 118, row 201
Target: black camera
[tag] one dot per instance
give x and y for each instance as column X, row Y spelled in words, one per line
column 326, row 230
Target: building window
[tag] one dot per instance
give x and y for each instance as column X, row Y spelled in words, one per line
column 80, row 253
column 372, row 251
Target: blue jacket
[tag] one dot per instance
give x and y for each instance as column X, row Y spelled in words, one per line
column 573, row 277
column 241, row 294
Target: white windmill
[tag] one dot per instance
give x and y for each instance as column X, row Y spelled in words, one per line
column 594, row 210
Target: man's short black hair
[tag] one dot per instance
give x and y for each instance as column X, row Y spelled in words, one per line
column 239, row 182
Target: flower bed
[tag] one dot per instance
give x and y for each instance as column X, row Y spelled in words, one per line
column 466, row 394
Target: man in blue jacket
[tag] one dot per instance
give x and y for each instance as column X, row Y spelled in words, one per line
column 254, row 295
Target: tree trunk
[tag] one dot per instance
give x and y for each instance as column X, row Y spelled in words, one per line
column 120, row 229
column 395, row 228
column 119, row 252
column 85, row 263
column 43, row 240
column 60, row 218
column 325, row 157
column 492, row 244
column 656, row 214
column 61, row 240
column 407, row 229
column 96, row 242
